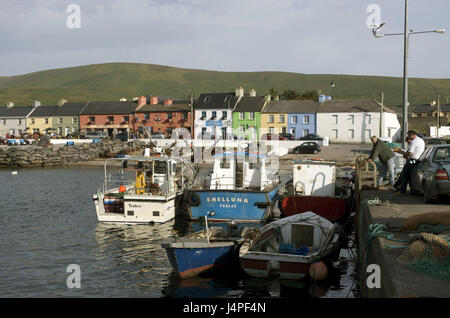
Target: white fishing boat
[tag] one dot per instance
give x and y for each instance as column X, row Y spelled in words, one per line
column 142, row 190
column 289, row 246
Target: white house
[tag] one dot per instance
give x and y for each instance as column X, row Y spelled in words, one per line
column 356, row 120
column 14, row 118
column 213, row 114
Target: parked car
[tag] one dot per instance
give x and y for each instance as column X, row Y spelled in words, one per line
column 3, row 141
column 430, row 176
column 429, row 141
column 75, row 136
column 96, row 135
column 307, row 147
column 122, row 136
column 158, row 135
column 273, row 137
column 288, row 136
column 311, row 137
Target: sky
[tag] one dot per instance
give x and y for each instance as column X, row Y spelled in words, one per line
column 301, row 36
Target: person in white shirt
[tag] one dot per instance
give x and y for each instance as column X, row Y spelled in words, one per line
column 415, row 150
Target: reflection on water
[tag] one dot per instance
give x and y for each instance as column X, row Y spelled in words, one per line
column 48, row 221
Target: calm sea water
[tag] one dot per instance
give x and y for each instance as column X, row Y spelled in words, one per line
column 48, row 221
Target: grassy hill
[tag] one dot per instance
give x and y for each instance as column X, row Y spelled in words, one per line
column 115, row 80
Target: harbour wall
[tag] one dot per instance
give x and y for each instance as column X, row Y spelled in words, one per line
column 43, row 156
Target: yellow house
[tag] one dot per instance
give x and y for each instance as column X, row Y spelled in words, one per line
column 40, row 119
column 273, row 121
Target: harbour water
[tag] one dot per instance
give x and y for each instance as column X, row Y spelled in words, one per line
column 48, row 222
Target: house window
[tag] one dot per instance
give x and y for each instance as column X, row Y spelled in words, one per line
column 281, row 119
column 203, row 115
column 74, row 120
column 224, row 132
column 35, row 130
column 271, row 130
column 351, row 133
column 369, row 119
column 19, row 121
column 251, row 115
column 241, row 129
column 32, row 121
column 126, row 119
column 184, row 116
column 169, row 116
column 283, row 130
column 335, row 134
column 92, row 120
column 214, row 115
column 59, row 130
column 241, row 116
column 335, row 119
column 271, row 119
column 224, row 115
column 46, row 120
column 59, row 120
column 110, row 119
column 74, row 129
column 306, row 119
column 293, row 119
column 352, row 119
column 292, row 131
column 12, row 132
column 146, row 116
column 203, row 131
column 4, row 121
column 305, row 132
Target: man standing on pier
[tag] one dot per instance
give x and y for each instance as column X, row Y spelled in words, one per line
column 415, row 150
column 386, row 157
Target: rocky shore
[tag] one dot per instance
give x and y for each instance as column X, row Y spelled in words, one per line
column 53, row 155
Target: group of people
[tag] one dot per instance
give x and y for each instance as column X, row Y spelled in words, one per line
column 386, row 156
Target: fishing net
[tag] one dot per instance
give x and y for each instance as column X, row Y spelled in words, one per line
column 430, row 254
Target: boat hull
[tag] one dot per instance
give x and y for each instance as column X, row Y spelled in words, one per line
column 331, row 208
column 189, row 262
column 237, row 205
column 264, row 268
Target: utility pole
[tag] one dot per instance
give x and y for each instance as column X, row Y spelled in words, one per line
column 438, row 122
column 192, row 115
column 382, row 115
column 405, row 77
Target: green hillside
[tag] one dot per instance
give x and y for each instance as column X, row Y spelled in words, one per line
column 115, row 80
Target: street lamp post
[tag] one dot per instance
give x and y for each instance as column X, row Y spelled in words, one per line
column 406, row 34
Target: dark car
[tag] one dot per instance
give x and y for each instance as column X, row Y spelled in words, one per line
column 430, row 176
column 288, row 136
column 430, row 141
column 273, row 137
column 121, row 136
column 307, row 147
column 311, row 137
column 3, row 141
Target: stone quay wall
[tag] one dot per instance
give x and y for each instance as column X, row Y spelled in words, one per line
column 52, row 155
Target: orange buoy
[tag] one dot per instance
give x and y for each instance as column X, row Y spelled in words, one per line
column 318, row 270
column 122, row 189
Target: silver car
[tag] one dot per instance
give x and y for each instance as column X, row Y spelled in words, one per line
column 430, row 176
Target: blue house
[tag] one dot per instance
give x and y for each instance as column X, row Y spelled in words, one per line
column 301, row 115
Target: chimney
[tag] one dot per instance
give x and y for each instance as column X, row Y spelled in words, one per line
column 153, row 100
column 239, row 92
column 268, row 98
column 433, row 103
column 142, row 101
column 252, row 93
column 322, row 98
column 61, row 102
column 9, row 104
column 276, row 98
column 168, row 102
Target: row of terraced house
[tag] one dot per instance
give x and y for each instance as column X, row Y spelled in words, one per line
column 215, row 115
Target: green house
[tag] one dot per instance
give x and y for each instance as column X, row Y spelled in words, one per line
column 247, row 117
column 66, row 119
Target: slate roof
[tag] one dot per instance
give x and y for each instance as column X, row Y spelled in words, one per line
column 165, row 108
column 15, row 111
column 216, row 101
column 351, row 106
column 292, row 107
column 70, row 109
column 44, row 111
column 250, row 104
column 109, row 108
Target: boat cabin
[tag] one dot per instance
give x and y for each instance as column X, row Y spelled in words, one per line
column 314, row 177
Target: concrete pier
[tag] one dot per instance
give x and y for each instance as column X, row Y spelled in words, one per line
column 397, row 280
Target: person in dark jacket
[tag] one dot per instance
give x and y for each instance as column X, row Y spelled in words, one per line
column 386, row 157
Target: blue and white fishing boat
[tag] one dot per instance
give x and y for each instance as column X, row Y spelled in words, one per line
column 207, row 249
column 242, row 187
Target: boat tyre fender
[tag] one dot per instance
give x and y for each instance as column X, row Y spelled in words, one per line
column 192, row 198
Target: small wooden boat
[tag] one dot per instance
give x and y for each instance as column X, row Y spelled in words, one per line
column 205, row 250
column 287, row 247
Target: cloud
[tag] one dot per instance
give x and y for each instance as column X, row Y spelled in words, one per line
column 231, row 35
